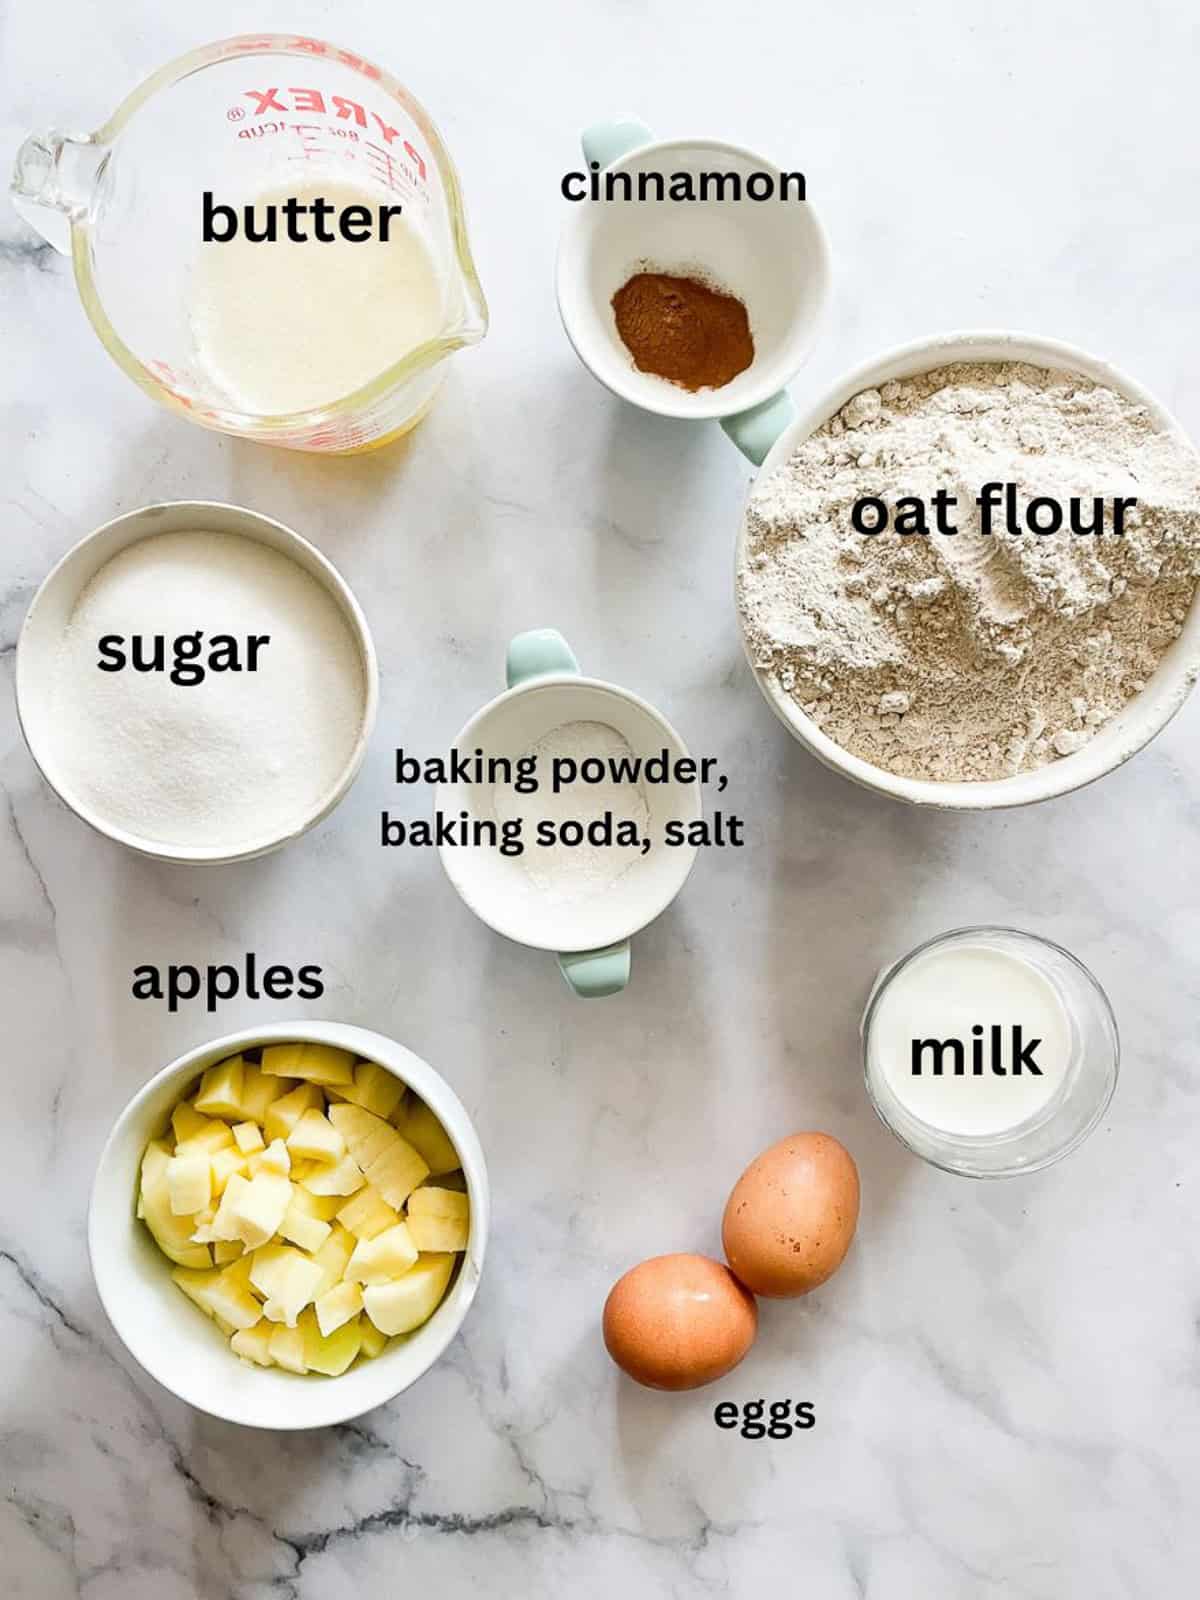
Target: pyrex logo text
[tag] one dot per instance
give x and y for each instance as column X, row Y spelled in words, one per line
column 343, row 109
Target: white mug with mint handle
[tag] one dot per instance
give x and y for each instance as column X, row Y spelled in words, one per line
column 590, row 936
column 772, row 254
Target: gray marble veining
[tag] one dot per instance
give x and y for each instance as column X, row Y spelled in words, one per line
column 1006, row 1378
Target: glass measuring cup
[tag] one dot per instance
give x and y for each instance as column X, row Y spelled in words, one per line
column 244, row 116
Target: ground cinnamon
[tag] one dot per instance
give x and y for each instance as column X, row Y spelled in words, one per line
column 683, row 330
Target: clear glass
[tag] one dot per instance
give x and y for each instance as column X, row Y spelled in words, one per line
column 1077, row 1105
column 236, row 117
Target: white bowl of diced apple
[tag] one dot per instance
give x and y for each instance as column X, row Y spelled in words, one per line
column 288, row 1225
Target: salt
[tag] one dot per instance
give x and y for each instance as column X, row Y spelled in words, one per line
column 565, row 872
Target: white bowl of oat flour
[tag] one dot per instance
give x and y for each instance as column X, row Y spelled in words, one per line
column 197, row 682
column 979, row 667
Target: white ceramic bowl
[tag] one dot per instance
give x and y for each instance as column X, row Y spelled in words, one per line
column 591, row 934
column 772, row 254
column 172, row 1339
column 499, row 890
column 55, row 601
column 1126, row 733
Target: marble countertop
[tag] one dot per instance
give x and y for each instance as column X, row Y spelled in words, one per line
column 1006, row 1378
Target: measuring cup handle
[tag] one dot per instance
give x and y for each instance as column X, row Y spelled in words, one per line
column 592, row 974
column 537, row 654
column 53, row 180
column 606, row 142
column 756, row 430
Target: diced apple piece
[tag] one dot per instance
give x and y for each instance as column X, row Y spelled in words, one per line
column 438, row 1219
column 232, row 1302
column 295, row 1284
column 338, row 1305
column 196, row 1286
column 330, row 1355
column 286, row 1349
column 333, row 1258
column 254, row 1344
column 367, row 1136
column 313, row 1063
column 374, row 1088
column 260, row 1092
column 283, row 1114
column 172, row 1234
column 388, row 1255
column 213, row 1136
column 426, row 1135
column 314, row 1138
column 154, row 1160
column 189, row 1184
column 367, row 1214
column 373, row 1342
column 406, row 1303
column 219, row 1296
column 186, row 1121
column 223, row 1165
column 238, row 1271
column 221, row 1090
column 248, row 1137
column 397, row 1172
column 322, row 1206
column 226, row 1251
column 342, row 1177
column 275, row 1158
column 224, row 1225
column 259, row 1208
column 310, row 1233
column 268, row 1266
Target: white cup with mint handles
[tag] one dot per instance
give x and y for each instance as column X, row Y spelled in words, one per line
column 748, row 234
column 590, row 934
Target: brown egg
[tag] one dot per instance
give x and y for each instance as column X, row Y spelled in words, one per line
column 792, row 1215
column 675, row 1322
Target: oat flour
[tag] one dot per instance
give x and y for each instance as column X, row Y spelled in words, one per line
column 965, row 656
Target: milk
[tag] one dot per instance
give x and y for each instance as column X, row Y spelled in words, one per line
column 286, row 326
column 971, row 1039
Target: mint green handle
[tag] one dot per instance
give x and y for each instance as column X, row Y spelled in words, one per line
column 595, row 973
column 537, row 654
column 606, row 142
column 756, row 430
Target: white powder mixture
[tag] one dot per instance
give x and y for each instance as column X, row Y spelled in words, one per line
column 237, row 757
column 971, row 656
column 576, row 872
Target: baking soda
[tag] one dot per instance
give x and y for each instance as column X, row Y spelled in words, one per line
column 570, row 872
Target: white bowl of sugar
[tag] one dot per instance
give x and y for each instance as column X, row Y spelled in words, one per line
column 197, row 682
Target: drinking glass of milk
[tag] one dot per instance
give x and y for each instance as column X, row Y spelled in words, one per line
column 989, row 1052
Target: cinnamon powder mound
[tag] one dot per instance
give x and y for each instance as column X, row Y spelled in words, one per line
column 683, row 330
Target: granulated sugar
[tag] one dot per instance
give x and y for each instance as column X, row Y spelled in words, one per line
column 971, row 656
column 224, row 763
